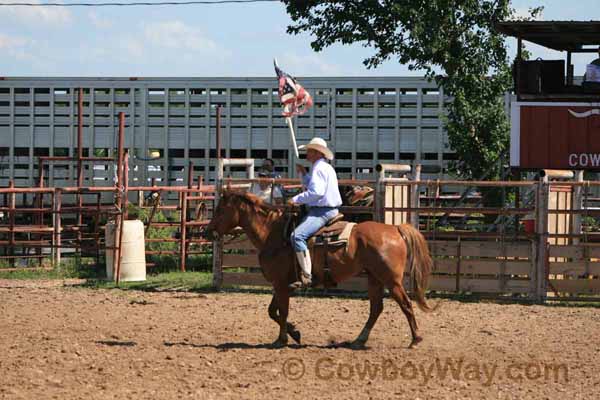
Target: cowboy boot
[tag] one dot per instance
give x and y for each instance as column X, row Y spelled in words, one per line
column 305, row 271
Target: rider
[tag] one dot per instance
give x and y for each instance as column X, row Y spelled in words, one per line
column 323, row 198
column 592, row 73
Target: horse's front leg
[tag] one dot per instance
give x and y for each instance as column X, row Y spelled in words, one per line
column 274, row 315
column 376, row 307
column 282, row 297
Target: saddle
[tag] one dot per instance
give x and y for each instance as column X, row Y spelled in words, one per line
column 335, row 233
column 331, row 238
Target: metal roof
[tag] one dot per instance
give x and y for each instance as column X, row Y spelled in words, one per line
column 557, row 35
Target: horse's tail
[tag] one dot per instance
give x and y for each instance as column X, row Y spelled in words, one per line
column 419, row 262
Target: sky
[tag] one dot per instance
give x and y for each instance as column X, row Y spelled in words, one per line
column 230, row 40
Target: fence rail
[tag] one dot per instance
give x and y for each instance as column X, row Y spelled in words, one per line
column 541, row 242
column 537, row 239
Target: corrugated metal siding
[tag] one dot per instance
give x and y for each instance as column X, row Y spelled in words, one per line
column 366, row 120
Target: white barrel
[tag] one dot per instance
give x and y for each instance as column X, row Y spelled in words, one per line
column 133, row 255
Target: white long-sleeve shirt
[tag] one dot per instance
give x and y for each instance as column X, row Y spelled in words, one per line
column 321, row 187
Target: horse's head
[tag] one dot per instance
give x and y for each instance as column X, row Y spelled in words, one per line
column 226, row 216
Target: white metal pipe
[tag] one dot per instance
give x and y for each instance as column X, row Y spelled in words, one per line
column 236, row 162
column 557, row 174
column 399, row 168
column 293, row 135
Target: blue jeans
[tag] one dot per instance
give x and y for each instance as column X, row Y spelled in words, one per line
column 316, row 218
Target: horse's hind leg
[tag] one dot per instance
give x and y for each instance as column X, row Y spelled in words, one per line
column 376, row 307
column 274, row 314
column 403, row 300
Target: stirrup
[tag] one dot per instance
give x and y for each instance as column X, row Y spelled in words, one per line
column 304, row 283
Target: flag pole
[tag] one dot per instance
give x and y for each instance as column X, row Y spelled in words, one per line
column 287, row 119
column 291, row 126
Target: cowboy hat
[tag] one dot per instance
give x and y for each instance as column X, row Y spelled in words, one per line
column 319, row 145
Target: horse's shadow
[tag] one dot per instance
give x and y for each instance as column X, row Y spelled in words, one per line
column 266, row 346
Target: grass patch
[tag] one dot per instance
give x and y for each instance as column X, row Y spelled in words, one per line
column 169, row 281
column 72, row 268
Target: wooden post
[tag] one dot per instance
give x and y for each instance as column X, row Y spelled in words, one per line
column 414, row 197
column 380, row 198
column 542, row 239
column 458, row 264
column 577, row 205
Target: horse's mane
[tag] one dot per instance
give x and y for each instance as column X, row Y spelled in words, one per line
column 253, row 201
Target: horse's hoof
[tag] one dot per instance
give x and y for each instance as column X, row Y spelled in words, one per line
column 415, row 342
column 278, row 344
column 296, row 336
column 358, row 345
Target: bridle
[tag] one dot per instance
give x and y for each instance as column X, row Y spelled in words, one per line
column 237, row 233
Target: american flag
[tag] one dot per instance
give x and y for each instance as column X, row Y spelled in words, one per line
column 294, row 98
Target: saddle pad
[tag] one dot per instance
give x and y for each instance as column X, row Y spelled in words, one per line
column 342, row 238
column 345, row 235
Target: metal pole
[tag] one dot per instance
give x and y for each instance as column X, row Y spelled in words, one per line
column 190, row 177
column 217, row 248
column 292, row 135
column 218, row 132
column 518, row 66
column 182, row 228
column 97, row 227
column 121, row 146
column 123, row 217
column 12, row 208
column 569, row 70
column 125, row 180
column 40, row 205
column 80, row 138
column 79, row 163
column 119, row 184
column 57, row 224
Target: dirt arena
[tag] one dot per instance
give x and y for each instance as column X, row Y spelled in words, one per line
column 67, row 342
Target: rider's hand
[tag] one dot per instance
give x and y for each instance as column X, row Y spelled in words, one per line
column 300, row 169
column 290, row 203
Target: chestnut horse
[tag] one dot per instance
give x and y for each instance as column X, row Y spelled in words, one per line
column 383, row 251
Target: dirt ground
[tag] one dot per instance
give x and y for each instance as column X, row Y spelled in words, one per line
column 59, row 340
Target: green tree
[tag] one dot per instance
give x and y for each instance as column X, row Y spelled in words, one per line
column 453, row 41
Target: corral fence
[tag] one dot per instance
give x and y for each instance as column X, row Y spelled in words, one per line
column 537, row 239
column 534, row 240
column 52, row 224
column 46, row 222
